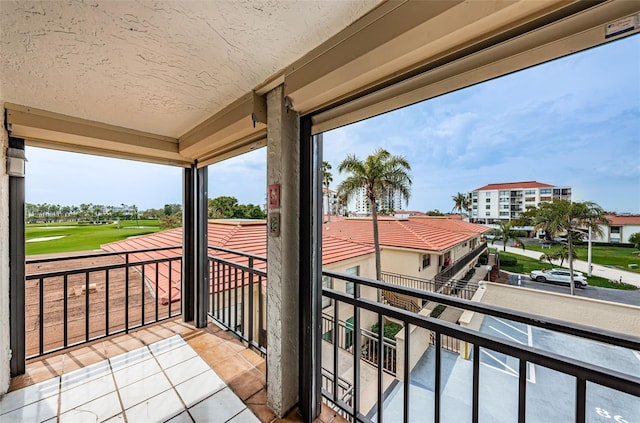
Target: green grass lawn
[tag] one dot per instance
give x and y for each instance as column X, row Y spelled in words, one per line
column 83, row 237
column 618, row 257
column 527, row 264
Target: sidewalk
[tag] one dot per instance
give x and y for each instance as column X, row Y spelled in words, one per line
column 581, row 266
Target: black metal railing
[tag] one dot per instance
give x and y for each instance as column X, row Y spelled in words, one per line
column 369, row 340
column 449, row 272
column 521, row 355
column 458, row 288
column 344, row 390
column 238, row 294
column 82, row 303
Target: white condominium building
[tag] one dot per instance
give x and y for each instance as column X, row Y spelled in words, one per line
column 495, row 202
column 359, row 203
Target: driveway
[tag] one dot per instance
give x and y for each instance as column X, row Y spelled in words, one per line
column 594, row 292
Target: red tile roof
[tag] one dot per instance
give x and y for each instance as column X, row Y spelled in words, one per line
column 514, row 185
column 452, row 224
column 248, row 236
column 420, row 232
column 624, row 220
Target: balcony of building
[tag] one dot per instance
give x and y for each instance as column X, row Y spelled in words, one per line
column 105, row 337
column 182, row 87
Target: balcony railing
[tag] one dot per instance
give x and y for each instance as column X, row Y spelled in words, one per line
column 458, row 288
column 81, row 298
column 78, row 300
column 448, row 273
column 238, row 294
column 77, row 305
column 345, row 340
column 588, row 380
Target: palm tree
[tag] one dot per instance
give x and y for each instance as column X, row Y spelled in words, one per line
column 378, row 174
column 461, row 203
column 564, row 216
column 506, row 234
column 327, row 178
column 596, row 216
column 134, row 209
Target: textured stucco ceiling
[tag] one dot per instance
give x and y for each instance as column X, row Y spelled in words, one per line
column 159, row 67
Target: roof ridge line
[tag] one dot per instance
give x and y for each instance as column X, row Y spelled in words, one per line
column 416, row 234
column 230, row 235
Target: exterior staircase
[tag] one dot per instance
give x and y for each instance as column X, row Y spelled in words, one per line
column 393, row 299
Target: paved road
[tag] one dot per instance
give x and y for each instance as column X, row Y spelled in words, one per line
column 598, row 270
column 595, row 292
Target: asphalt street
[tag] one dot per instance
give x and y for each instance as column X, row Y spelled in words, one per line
column 605, row 294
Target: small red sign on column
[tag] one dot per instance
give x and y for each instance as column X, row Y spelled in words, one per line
column 274, row 196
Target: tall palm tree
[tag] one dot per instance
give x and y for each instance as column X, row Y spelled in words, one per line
column 327, row 178
column 596, row 216
column 506, row 234
column 460, row 203
column 564, row 216
column 379, row 173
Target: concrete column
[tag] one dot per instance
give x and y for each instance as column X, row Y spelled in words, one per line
column 5, row 353
column 283, row 169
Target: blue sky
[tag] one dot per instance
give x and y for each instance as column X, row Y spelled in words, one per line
column 571, row 122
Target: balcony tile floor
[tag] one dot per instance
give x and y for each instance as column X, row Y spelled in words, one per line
column 166, row 372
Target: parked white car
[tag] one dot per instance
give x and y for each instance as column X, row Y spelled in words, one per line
column 560, row 276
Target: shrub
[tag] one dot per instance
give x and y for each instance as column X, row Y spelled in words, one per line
column 436, row 312
column 390, row 329
column 483, row 260
column 508, row 261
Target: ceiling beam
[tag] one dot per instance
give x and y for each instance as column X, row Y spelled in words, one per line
column 397, row 38
column 54, row 130
column 242, row 119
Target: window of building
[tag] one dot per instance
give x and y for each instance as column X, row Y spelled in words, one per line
column 426, row 260
column 488, row 200
column 530, row 192
column 615, row 229
column 502, row 213
column 545, row 191
column 545, row 198
column 487, row 214
column 504, row 193
column 327, row 282
column 475, row 200
column 352, row 271
column 475, row 194
column 530, row 199
column 488, row 206
column 505, row 206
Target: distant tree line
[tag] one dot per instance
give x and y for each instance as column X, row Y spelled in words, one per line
column 84, row 213
column 224, row 207
column 170, row 215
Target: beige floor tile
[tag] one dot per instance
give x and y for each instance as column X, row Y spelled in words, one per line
column 230, row 368
column 248, row 383
column 252, row 357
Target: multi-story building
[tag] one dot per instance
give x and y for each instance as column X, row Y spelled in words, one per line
column 619, row 229
column 359, row 204
column 505, row 201
column 329, row 201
